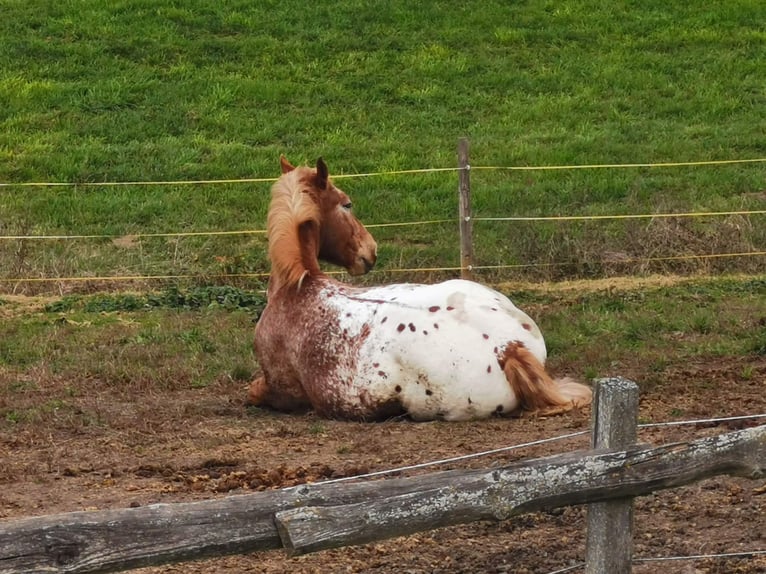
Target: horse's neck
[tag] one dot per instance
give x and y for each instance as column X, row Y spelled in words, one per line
column 294, row 257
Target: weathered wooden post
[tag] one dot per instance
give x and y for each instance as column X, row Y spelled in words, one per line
column 466, row 224
column 609, row 545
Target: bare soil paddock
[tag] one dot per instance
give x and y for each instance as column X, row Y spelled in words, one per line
column 190, row 444
column 202, row 444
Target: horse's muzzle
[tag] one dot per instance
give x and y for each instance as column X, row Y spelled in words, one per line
column 362, row 265
column 368, row 264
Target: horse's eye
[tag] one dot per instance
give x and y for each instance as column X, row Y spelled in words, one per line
column 347, row 205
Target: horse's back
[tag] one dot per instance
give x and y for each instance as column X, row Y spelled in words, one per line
column 437, row 348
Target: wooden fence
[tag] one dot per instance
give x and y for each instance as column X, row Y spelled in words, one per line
column 314, row 517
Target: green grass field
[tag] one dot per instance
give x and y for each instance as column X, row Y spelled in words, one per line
column 163, row 91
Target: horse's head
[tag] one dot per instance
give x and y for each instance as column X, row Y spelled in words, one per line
column 343, row 240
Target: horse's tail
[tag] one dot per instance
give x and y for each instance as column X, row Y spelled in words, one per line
column 536, row 390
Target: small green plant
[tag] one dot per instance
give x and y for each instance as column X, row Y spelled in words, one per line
column 591, row 373
column 758, row 344
column 241, row 374
column 198, row 341
column 13, row 416
column 702, row 322
column 22, row 386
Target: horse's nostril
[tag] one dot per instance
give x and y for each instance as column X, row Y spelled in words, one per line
column 367, row 264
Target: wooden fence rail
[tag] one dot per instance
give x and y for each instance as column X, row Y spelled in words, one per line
column 309, row 517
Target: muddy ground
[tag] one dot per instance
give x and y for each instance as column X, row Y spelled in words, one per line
column 204, row 443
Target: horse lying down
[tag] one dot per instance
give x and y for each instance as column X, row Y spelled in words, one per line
column 454, row 351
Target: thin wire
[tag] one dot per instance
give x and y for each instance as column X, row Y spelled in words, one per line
column 125, row 277
column 400, row 224
column 626, row 216
column 129, row 183
column 626, row 260
column 137, row 235
column 380, row 173
column 701, row 421
column 533, row 443
column 203, row 233
column 406, row 223
column 619, row 165
column 397, row 172
column 452, row 459
column 377, row 271
column 568, row 568
column 212, row 181
column 703, row 556
column 750, row 554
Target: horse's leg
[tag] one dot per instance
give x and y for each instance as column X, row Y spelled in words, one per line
column 286, row 397
column 257, row 392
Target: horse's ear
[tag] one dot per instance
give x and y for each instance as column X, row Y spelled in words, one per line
column 322, row 173
column 285, row 165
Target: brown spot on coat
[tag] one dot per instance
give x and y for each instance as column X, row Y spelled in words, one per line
column 400, row 328
column 412, row 327
column 485, row 335
column 450, row 308
column 489, row 368
column 429, row 392
column 382, row 374
column 398, row 388
column 434, row 308
column 384, row 320
column 527, row 326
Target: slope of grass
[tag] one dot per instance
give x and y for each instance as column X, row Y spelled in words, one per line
column 137, row 91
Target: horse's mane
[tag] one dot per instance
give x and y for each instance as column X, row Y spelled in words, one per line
column 292, row 206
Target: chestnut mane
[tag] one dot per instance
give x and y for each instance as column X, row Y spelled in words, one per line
column 293, row 208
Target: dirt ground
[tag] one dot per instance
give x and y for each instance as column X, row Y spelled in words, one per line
column 203, row 443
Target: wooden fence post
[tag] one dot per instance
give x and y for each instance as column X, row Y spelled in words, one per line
column 609, row 544
column 466, row 224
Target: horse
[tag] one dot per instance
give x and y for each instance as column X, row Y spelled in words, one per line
column 451, row 351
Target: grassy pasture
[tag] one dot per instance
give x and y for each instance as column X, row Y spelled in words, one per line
column 161, row 91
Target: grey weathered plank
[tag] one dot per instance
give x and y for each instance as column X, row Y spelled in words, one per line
column 114, row 540
column 458, row 497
